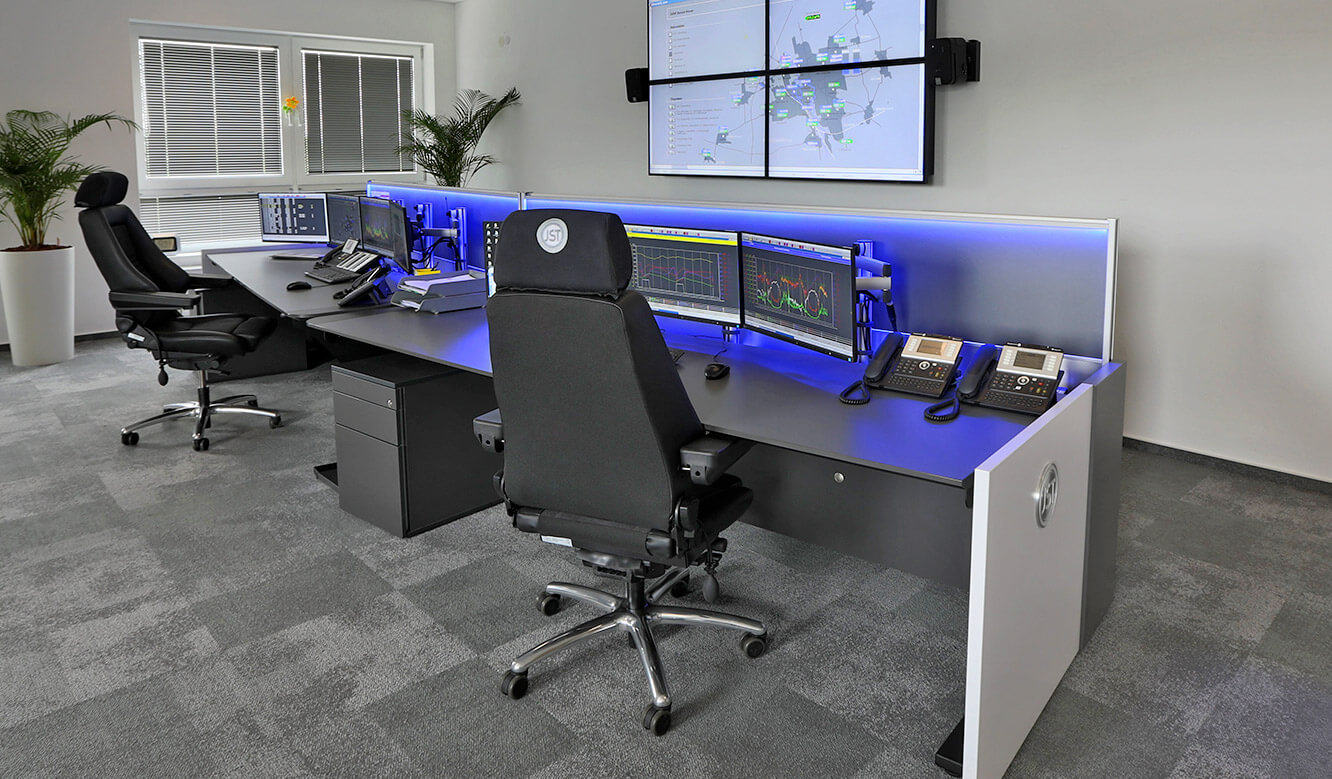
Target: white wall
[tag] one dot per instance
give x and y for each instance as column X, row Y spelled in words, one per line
column 1203, row 126
column 76, row 57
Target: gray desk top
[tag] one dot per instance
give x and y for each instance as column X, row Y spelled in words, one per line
column 773, row 395
column 267, row 278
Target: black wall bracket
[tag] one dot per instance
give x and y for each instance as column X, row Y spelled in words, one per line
column 954, row 60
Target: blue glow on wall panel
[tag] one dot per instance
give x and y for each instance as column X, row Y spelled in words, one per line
column 982, row 281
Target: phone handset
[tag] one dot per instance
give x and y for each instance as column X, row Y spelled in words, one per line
column 858, row 394
column 980, row 367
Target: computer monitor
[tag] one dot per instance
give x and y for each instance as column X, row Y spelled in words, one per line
column 686, row 272
column 384, row 230
column 801, row 292
column 344, row 218
column 293, row 217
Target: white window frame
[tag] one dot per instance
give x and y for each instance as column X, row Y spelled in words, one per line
column 290, row 83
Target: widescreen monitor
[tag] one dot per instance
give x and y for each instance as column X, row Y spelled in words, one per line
column 384, row 230
column 686, row 272
column 688, row 38
column 801, row 292
column 344, row 218
column 708, row 128
column 293, row 217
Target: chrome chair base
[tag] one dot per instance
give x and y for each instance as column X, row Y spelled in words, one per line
column 201, row 411
column 635, row 613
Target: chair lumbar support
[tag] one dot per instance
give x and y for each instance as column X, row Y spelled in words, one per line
column 634, row 612
column 202, row 412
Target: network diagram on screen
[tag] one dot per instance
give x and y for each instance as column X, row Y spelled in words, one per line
column 790, row 88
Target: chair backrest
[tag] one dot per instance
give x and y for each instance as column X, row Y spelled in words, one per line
column 594, row 411
column 122, row 249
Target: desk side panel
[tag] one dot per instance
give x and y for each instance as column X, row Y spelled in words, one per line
column 910, row 524
column 1107, row 448
column 1025, row 609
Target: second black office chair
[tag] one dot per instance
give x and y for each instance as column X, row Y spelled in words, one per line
column 603, row 450
column 148, row 292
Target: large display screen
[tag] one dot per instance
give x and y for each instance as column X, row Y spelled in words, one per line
column 842, row 91
column 801, row 292
column 690, row 38
column 686, row 272
column 293, row 217
column 344, row 218
column 708, row 128
column 384, row 230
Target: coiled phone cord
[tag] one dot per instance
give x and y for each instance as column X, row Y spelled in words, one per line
column 849, row 398
column 945, row 410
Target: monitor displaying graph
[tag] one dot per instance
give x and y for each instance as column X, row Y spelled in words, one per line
column 687, row 272
column 800, row 292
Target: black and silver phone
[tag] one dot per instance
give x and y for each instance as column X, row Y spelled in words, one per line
column 1014, row 377
column 920, row 363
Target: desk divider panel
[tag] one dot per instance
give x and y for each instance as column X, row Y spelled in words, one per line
column 985, row 278
column 482, row 206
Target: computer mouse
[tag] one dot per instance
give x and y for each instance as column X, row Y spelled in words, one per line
column 295, row 285
column 716, row 370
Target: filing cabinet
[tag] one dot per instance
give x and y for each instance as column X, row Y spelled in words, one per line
column 407, row 458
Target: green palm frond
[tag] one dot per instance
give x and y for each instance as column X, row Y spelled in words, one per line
column 444, row 146
column 36, row 169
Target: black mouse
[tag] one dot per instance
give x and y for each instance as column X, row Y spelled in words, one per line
column 716, row 370
column 295, row 285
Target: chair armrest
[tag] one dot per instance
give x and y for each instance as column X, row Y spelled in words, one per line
column 153, row 301
column 489, row 429
column 209, row 280
column 708, row 457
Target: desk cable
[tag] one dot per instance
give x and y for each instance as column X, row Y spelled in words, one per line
column 945, row 410
column 849, row 397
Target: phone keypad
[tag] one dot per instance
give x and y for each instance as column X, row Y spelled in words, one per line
column 1027, row 394
column 921, row 377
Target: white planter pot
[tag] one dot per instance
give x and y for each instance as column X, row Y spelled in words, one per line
column 37, row 289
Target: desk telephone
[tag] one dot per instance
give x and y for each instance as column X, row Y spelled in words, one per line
column 919, row 363
column 1014, row 377
column 365, row 284
column 347, row 257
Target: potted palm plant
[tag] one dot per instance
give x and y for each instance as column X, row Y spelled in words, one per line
column 37, row 278
column 445, row 146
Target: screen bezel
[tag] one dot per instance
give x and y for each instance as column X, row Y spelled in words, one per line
column 927, row 131
column 739, row 279
column 283, row 238
column 850, row 301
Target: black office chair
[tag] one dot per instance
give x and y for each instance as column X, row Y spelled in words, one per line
column 603, row 450
column 148, row 292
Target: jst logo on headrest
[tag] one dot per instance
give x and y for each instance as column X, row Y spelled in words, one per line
column 552, row 235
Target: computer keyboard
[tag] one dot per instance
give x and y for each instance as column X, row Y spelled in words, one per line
column 331, row 275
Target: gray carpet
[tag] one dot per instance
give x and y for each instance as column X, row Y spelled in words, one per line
column 171, row 613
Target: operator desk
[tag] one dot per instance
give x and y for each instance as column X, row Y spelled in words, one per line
column 951, row 502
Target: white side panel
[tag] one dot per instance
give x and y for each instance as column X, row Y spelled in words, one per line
column 1026, row 583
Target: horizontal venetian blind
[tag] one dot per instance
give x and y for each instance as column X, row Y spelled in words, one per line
column 353, row 112
column 210, row 109
column 202, row 219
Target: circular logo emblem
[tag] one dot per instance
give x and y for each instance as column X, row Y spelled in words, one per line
column 1047, row 492
column 553, row 234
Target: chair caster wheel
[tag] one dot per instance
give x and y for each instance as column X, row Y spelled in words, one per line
column 549, row 604
column 753, row 646
column 514, row 685
column 680, row 588
column 275, row 422
column 656, row 720
column 201, row 444
column 129, row 439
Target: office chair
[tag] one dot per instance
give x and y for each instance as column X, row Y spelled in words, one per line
column 148, row 292
column 603, row 450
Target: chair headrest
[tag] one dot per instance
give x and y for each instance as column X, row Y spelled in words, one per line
column 102, row 189
column 563, row 250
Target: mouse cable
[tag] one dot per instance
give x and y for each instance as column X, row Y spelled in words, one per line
column 849, row 396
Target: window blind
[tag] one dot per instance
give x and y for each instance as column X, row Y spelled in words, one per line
column 210, row 109
column 353, row 112
column 202, row 219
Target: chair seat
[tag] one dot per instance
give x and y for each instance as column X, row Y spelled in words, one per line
column 225, row 335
